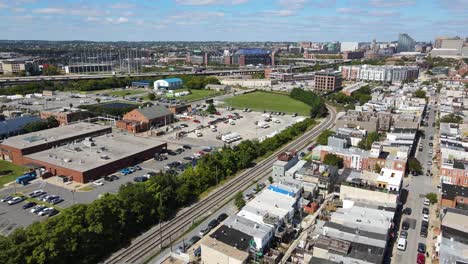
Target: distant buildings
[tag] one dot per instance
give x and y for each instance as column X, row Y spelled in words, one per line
column 327, row 80
column 244, row 57
column 450, row 48
column 405, row 43
column 18, row 65
column 65, row 115
column 385, row 73
column 89, row 68
column 350, row 46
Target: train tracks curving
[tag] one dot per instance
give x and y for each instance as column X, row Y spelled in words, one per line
column 146, row 245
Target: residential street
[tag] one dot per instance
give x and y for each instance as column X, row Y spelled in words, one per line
column 418, row 187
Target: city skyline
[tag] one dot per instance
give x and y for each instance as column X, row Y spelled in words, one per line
column 232, row 20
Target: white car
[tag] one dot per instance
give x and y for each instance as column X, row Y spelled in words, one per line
column 425, row 218
column 45, row 211
column 427, row 202
column 37, row 193
column 98, row 182
column 15, row 200
column 401, row 244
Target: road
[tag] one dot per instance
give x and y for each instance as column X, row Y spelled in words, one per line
column 418, row 187
column 145, row 246
column 19, row 80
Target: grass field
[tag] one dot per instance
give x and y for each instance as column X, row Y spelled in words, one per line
column 261, row 101
column 197, row 94
column 13, row 171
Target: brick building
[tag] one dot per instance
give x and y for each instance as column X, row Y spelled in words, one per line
column 454, row 196
column 143, row 119
column 454, row 172
column 91, row 158
column 351, row 55
column 65, row 115
column 15, row 148
column 327, row 80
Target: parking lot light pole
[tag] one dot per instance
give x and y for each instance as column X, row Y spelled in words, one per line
column 73, row 195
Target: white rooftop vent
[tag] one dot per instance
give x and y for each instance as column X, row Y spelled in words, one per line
column 67, row 160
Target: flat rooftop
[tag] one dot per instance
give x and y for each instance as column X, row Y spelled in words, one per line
column 53, row 134
column 92, row 153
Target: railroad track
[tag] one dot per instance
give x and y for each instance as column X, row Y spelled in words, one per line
column 146, row 245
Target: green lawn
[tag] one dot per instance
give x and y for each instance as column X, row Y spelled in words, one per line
column 13, row 171
column 197, row 94
column 261, row 101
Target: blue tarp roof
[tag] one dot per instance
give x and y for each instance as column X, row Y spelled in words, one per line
column 173, row 80
column 16, row 124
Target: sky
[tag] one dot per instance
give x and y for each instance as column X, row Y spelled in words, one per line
column 232, row 20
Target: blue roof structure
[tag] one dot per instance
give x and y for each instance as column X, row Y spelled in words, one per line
column 280, row 190
column 252, row 52
column 173, row 80
column 15, row 125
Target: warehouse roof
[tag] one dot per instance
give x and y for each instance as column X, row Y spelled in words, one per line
column 172, row 80
column 154, row 111
column 53, row 134
column 95, row 152
column 252, row 52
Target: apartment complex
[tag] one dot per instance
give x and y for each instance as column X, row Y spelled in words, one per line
column 388, row 74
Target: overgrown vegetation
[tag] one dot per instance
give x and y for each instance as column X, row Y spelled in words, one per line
column 420, row 93
column 322, row 139
column 366, row 142
column 87, row 233
column 50, row 122
column 451, row 118
column 414, row 166
column 316, row 103
column 333, row 160
column 105, row 109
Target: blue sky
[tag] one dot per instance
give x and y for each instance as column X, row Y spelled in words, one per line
column 232, row 20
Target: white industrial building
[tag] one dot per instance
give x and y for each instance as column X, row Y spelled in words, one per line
column 168, row 84
column 349, row 46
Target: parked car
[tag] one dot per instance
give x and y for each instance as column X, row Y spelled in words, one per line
column 421, row 248
column 196, row 121
column 188, row 158
column 137, row 167
column 36, row 193
column 114, row 177
column 187, row 147
column 108, row 178
column 183, row 125
column 140, row 179
column 213, row 223
column 172, row 153
column 407, row 211
column 310, row 148
column 98, row 182
column 193, row 240
column 401, row 244
column 6, row 198
column 221, row 217
column 125, row 171
column 205, row 231
column 56, row 200
column 36, row 209
column 427, row 202
column 45, row 211
column 404, row 234
column 302, row 154
column 52, row 212
column 16, row 200
column 421, row 258
column 405, row 225
column 48, row 198
column 29, row 205
column 179, row 150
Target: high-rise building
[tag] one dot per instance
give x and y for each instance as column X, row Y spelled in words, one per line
column 405, row 43
column 327, row 80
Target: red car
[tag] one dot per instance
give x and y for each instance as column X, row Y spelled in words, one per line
column 217, row 113
column 196, row 121
column 421, row 259
column 311, row 148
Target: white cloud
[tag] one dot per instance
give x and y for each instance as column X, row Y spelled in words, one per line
column 3, row 5
column 293, row 4
column 49, row 10
column 122, row 6
column 119, row 20
column 280, row 13
column 391, row 3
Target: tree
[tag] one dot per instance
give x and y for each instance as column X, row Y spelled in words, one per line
column 211, row 109
column 270, row 179
column 239, row 200
column 420, row 93
column 377, row 168
column 51, row 70
column 452, row 118
column 414, row 166
column 322, row 139
column 98, row 100
column 333, row 160
column 432, row 197
column 367, row 141
column 151, row 96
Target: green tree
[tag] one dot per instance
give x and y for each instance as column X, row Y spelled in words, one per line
column 151, row 96
column 239, row 200
column 316, row 102
column 377, row 168
column 322, row 139
column 452, row 118
column 333, row 160
column 432, row 197
column 367, row 141
column 270, row 179
column 211, row 109
column 420, row 93
column 51, row 70
column 414, row 166
column 98, row 100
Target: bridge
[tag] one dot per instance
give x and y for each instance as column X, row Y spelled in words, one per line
column 7, row 81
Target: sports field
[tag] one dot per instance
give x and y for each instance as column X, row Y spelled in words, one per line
column 197, row 94
column 272, row 102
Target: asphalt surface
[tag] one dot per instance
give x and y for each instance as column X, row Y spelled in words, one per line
column 418, row 187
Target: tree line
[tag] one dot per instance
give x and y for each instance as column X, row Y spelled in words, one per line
column 190, row 82
column 88, row 233
column 50, row 122
column 316, row 103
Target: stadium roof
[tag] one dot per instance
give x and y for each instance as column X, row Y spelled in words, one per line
column 252, row 52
